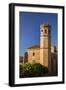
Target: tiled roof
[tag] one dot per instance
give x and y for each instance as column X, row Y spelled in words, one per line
column 53, row 48
column 34, row 46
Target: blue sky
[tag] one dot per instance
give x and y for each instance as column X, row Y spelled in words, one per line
column 29, row 29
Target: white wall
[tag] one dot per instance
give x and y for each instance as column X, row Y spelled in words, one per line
column 4, row 44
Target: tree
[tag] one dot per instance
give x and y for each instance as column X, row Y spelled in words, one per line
column 32, row 70
column 39, row 70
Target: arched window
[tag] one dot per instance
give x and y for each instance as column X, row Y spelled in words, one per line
column 45, row 30
column 41, row 30
column 33, row 54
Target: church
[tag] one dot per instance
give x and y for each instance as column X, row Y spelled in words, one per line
column 45, row 53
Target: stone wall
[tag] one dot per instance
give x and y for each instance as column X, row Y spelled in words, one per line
column 33, row 55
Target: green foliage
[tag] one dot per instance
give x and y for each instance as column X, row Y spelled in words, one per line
column 32, row 70
column 21, row 69
column 27, row 69
column 39, row 70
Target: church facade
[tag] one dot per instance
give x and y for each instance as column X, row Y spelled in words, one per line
column 45, row 53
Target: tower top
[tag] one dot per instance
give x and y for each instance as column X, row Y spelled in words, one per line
column 44, row 25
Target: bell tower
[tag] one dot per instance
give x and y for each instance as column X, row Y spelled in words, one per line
column 45, row 45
